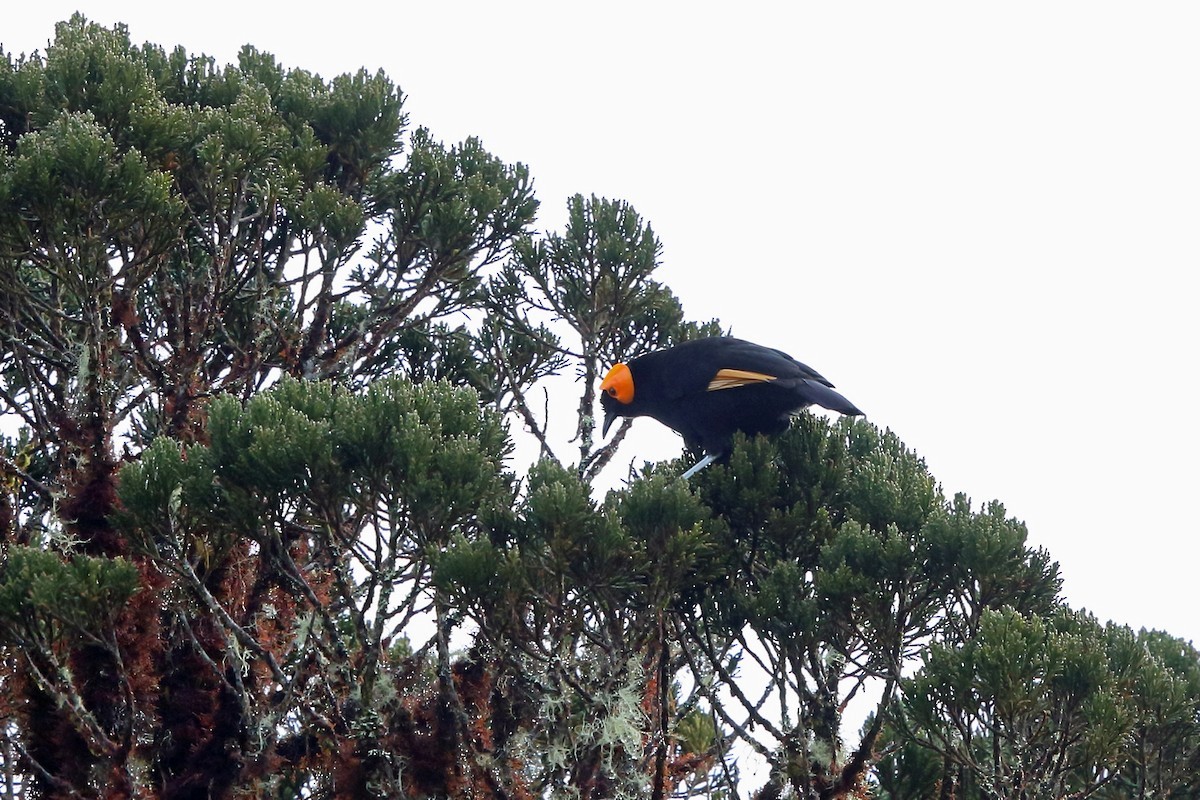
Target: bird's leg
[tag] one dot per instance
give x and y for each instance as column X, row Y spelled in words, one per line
column 699, row 465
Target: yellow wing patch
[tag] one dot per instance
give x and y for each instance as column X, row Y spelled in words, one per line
column 730, row 378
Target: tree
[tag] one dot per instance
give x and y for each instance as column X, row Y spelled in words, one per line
column 842, row 563
column 173, row 233
column 1032, row 708
column 175, row 237
column 1164, row 751
column 573, row 601
column 325, row 509
column 261, row 533
column 1062, row 706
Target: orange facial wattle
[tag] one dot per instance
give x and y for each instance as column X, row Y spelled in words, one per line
column 618, row 384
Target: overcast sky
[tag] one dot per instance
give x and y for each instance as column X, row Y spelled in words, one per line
column 979, row 221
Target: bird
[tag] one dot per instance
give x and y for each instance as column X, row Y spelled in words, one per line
column 708, row 389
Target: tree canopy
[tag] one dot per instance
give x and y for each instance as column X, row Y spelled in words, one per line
column 265, row 349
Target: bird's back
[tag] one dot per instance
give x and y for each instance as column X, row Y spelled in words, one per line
column 708, row 389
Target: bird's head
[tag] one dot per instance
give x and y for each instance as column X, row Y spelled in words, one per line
column 616, row 393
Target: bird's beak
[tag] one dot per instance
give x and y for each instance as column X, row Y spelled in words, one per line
column 610, row 417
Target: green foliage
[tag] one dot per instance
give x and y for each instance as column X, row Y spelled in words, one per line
column 214, row 215
column 843, row 561
column 697, row 732
column 427, row 451
column 575, row 596
column 44, row 600
column 1050, row 705
column 69, row 184
column 596, row 275
column 674, row 531
column 635, row 552
column 1160, row 677
column 907, row 770
column 1029, row 705
column 90, row 69
column 457, row 203
column 332, row 505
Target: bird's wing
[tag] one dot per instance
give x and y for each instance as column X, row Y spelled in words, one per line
column 708, row 365
column 749, row 363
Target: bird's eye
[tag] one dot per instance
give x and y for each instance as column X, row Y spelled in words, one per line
column 612, row 392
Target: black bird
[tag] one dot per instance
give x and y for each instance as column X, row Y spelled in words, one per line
column 707, row 389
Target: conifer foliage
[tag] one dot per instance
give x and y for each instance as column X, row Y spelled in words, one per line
column 265, row 349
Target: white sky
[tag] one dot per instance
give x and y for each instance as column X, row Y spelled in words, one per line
column 979, row 220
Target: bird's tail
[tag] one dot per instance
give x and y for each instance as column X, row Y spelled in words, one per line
column 820, row 395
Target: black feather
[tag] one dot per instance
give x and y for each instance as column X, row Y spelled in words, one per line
column 675, row 386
